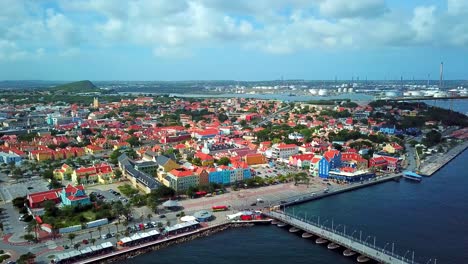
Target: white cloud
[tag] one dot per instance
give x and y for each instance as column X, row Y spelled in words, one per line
column 350, row 8
column 423, row 22
column 172, row 28
column 457, row 7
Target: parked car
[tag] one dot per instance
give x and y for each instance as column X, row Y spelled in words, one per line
column 85, row 242
column 162, row 216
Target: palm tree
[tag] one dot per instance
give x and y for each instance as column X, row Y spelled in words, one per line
column 117, row 226
column 71, row 236
column 92, row 240
column 149, row 216
column 141, row 218
column 99, row 229
column 90, row 234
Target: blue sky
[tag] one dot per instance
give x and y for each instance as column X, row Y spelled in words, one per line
column 234, row 40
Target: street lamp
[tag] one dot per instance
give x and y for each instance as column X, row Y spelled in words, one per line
column 383, row 250
column 323, row 224
column 366, row 239
column 336, row 229
column 405, row 254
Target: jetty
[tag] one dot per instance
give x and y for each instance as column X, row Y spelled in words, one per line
column 431, row 166
column 366, row 250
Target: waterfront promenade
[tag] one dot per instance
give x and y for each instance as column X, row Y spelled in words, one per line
column 435, row 163
column 332, row 190
column 357, row 245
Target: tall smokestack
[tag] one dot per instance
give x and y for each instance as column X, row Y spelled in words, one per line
column 441, row 75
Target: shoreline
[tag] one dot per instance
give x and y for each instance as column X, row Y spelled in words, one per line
column 428, row 169
column 128, row 253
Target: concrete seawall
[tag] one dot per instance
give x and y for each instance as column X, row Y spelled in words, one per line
column 310, row 197
column 429, row 168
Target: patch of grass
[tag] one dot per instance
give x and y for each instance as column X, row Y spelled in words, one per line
column 127, row 190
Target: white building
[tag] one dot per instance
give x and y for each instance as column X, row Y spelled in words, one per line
column 284, row 151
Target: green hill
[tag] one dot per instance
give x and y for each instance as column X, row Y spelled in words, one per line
column 76, row 87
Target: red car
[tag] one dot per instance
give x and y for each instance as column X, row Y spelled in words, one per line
column 85, row 241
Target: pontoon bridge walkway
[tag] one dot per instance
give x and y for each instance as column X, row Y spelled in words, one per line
column 364, row 248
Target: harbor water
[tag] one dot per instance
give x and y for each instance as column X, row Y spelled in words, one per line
column 429, row 218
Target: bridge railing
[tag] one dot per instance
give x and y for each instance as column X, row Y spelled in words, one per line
column 351, row 238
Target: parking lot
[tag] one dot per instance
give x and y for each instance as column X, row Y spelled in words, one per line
column 11, row 190
column 266, row 171
column 107, row 196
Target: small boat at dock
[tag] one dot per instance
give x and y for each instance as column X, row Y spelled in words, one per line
column 281, row 224
column 307, row 235
column 333, row 246
column 321, row 241
column 362, row 259
column 348, row 253
column 412, row 176
column 293, row 229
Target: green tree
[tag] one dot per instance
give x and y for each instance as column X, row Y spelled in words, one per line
column 26, row 258
column 29, row 237
column 196, row 161
column 224, row 161
column 71, row 236
column 133, row 141
column 92, row 240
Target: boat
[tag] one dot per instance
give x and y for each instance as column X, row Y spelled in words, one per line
column 412, row 176
column 274, row 222
column 348, row 253
column 362, row 259
column 307, row 235
column 321, row 241
column 293, row 229
column 333, row 246
column 281, row 224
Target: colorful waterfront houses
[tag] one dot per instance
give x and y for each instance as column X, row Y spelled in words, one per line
column 314, row 165
column 219, row 175
column 181, row 179
column 334, row 158
column 384, row 162
column 301, row 161
column 323, row 167
column 353, row 159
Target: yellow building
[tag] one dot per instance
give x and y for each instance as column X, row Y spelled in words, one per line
column 91, row 149
column 59, row 174
column 392, row 148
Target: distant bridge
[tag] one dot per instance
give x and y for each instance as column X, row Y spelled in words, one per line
column 425, row 98
column 358, row 245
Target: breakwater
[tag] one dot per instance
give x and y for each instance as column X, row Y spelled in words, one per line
column 127, row 253
column 431, row 166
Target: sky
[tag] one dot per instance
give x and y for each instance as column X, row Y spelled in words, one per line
column 232, row 39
